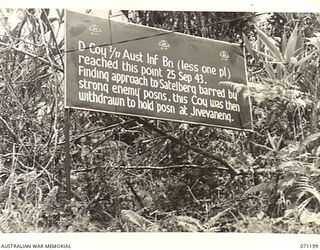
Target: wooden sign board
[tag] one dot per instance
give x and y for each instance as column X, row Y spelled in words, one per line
column 130, row 69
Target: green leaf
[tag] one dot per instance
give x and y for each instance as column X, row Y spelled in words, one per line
column 250, row 48
column 266, row 55
column 284, row 42
column 309, row 217
column 315, row 41
column 272, row 141
column 304, row 59
column 305, row 188
column 270, row 71
column 262, row 187
column 129, row 216
column 309, row 139
column 279, row 142
column 270, row 44
column 286, row 183
column 132, row 217
column 292, row 44
column 258, row 45
column 299, row 46
column 279, row 71
column 213, row 220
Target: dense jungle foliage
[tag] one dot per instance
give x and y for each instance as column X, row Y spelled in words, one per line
column 131, row 174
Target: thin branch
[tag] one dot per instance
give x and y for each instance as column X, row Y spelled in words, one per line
column 160, row 167
column 232, row 171
column 53, row 36
column 98, row 130
column 195, row 199
column 261, row 146
column 135, row 194
column 31, row 55
column 13, row 134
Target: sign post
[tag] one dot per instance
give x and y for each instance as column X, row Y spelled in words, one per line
column 130, row 69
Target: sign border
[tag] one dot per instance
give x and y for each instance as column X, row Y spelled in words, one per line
column 151, row 117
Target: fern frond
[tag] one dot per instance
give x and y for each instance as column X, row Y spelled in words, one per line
column 237, row 87
column 302, row 188
column 189, row 224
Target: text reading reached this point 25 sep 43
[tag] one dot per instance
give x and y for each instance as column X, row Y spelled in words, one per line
column 131, row 69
